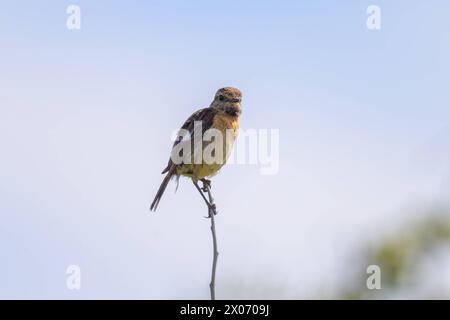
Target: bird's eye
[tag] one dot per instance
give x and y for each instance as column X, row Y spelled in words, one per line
column 221, row 98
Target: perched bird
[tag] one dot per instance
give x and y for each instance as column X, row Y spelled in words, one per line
column 220, row 118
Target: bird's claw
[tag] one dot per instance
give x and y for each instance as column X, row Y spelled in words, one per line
column 206, row 185
column 212, row 208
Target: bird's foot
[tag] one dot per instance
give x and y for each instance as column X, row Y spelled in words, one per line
column 212, row 208
column 206, row 185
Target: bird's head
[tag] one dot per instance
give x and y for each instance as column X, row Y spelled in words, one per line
column 228, row 100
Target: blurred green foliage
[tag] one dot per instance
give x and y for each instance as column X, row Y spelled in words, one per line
column 399, row 256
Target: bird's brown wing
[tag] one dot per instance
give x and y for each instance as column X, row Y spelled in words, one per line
column 205, row 115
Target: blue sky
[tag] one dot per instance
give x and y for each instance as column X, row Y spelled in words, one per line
column 85, row 131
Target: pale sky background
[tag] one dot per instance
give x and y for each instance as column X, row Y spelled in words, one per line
column 85, row 125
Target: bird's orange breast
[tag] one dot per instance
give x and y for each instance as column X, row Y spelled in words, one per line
column 224, row 122
column 229, row 127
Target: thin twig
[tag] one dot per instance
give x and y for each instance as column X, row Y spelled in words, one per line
column 201, row 190
column 212, row 212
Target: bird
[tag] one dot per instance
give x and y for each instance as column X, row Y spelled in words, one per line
column 188, row 159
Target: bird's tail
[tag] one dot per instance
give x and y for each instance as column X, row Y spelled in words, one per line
column 161, row 190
